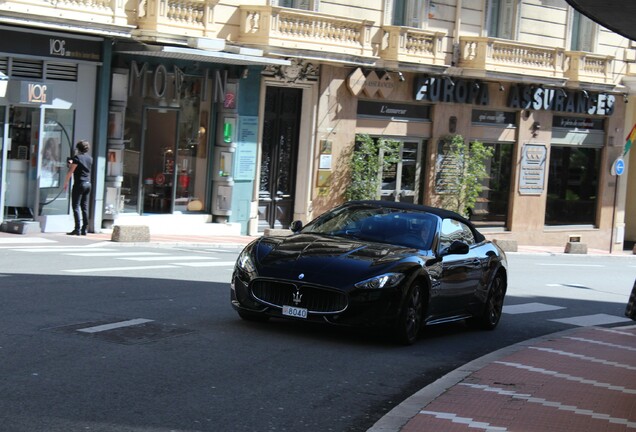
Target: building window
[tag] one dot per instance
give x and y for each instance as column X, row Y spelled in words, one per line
column 583, row 33
column 299, row 4
column 501, row 18
column 491, row 208
column 410, row 13
column 573, row 185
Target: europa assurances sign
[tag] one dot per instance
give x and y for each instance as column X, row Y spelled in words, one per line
column 532, row 175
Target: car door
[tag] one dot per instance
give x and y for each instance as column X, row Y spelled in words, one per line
column 461, row 273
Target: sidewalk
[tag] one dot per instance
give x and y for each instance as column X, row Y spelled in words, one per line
column 155, row 239
column 579, row 380
column 242, row 240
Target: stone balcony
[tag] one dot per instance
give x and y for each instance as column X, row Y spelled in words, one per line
column 497, row 55
column 179, row 18
column 89, row 12
column 587, row 67
column 295, row 29
column 506, row 56
column 411, row 45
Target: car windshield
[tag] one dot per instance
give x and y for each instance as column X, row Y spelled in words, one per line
column 378, row 224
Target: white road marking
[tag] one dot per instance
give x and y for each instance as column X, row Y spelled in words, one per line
column 208, row 264
column 115, row 325
column 167, row 258
column 570, row 265
column 584, row 357
column 568, row 377
column 111, row 269
column 529, row 308
column 24, row 240
column 615, row 331
column 553, row 404
column 471, row 423
column 60, row 249
column 592, row 320
column 113, row 254
column 602, row 343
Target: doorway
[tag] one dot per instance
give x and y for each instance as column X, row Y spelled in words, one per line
column 159, row 160
column 400, row 181
column 281, row 126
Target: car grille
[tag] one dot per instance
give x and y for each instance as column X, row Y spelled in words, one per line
column 314, row 299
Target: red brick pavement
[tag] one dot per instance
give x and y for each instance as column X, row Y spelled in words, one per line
column 576, row 381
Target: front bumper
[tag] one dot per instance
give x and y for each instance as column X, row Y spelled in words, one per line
column 359, row 308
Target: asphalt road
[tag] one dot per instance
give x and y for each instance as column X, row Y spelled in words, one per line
column 139, row 338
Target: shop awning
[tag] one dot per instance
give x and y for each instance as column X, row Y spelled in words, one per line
column 90, row 29
column 616, row 15
column 200, row 55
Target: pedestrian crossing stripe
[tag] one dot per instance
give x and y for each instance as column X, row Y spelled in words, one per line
column 592, row 320
column 529, row 308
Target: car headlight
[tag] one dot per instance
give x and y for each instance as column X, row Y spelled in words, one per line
column 387, row 280
column 245, row 263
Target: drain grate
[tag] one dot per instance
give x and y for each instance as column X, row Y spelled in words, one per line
column 127, row 332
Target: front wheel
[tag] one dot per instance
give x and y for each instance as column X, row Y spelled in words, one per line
column 494, row 305
column 410, row 319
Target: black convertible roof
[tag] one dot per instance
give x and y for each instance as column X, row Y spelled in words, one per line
column 443, row 213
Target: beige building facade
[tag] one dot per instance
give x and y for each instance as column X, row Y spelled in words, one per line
column 543, row 86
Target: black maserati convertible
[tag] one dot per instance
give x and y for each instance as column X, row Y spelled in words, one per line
column 374, row 264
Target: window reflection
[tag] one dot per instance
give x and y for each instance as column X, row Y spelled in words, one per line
column 454, row 230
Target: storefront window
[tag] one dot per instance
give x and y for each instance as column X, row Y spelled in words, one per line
column 572, row 185
column 2, row 162
column 165, row 155
column 491, row 208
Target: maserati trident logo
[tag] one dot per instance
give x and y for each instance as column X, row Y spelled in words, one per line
column 297, row 297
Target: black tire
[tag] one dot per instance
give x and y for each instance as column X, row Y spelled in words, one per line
column 253, row 317
column 494, row 305
column 410, row 320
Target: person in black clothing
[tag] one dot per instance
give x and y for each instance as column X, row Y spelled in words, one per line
column 80, row 167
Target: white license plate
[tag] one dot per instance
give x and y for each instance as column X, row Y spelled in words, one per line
column 293, row 311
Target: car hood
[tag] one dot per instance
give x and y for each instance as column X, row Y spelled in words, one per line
column 330, row 260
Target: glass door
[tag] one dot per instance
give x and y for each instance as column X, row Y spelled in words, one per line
column 55, row 148
column 401, row 180
column 21, row 163
column 159, row 160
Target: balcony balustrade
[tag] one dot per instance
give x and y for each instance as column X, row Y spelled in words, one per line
column 586, row 67
column 98, row 12
column 406, row 44
column 498, row 55
column 303, row 30
column 191, row 18
column 510, row 56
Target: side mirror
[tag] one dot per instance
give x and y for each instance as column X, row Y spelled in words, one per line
column 296, row 226
column 456, row 248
